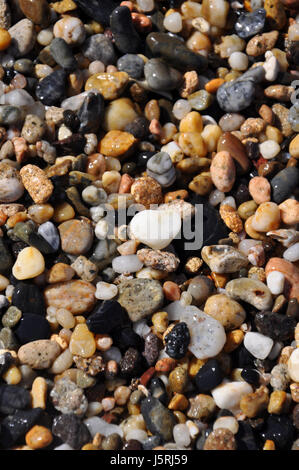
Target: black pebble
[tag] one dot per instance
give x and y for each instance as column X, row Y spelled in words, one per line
column 28, row 298
column 71, row 120
column 284, row 183
column 143, row 157
column 51, row 89
column 106, row 317
column 139, row 128
column 126, row 39
column 151, row 442
column 209, row 376
column 125, row 338
column 6, row 360
column 73, row 145
column 131, row 364
column 14, row 427
column 177, row 341
column 280, row 430
column 98, row 10
column 275, row 325
column 91, row 113
column 158, row 390
column 12, row 398
column 32, row 327
column 251, row 376
column 71, row 430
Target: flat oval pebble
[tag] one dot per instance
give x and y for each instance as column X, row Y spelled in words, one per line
column 251, row 291
column 223, row 171
column 207, row 334
column 39, row 354
column 77, row 296
column 76, row 236
column 30, row 263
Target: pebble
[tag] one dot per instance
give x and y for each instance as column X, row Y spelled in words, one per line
column 275, row 325
column 266, row 217
column 250, row 290
column 159, row 420
column 77, row 296
column 76, row 236
column 132, row 64
column 223, row 171
column 275, row 282
column 235, row 96
column 223, row 258
column 261, row 43
column 227, row 396
column 160, row 167
column 98, row 47
column 227, row 311
column 71, row 430
column 220, row 439
column 284, row 183
column 258, row 345
column 161, row 260
column 209, row 376
column 160, row 76
column 249, row 24
column 140, row 297
column 17, row 425
column 51, row 89
column 293, row 365
column 260, row 189
column 62, row 54
column 292, row 253
column 125, row 36
column 23, row 38
column 289, row 270
column 110, row 85
column 30, row 263
column 127, row 264
column 269, row 149
column 71, row 29
column 117, row 144
column 155, row 229
column 201, row 325
column 231, row 144
column 50, row 233
column 12, row 187
column 39, row 354
column 118, row 114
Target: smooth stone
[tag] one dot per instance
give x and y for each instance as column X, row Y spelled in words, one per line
column 28, row 298
column 284, row 183
column 51, row 89
column 62, row 54
column 106, row 317
column 39, row 354
column 175, row 52
column 132, row 64
column 33, row 129
column 10, row 115
column 207, row 334
column 50, row 233
column 38, row 11
column 289, row 270
column 208, row 377
column 76, row 236
column 231, row 144
column 98, row 10
column 71, row 430
column 235, row 96
column 227, row 396
column 23, row 38
column 126, row 264
column 140, row 297
column 30, row 263
column 223, row 258
column 293, row 365
column 99, row 425
column 15, row 426
column 155, row 229
column 91, row 113
column 223, row 171
column 200, row 287
column 77, row 296
column 200, row 100
column 266, row 217
column 160, row 167
column 32, row 327
column 110, row 85
column 258, row 345
column 226, row 310
column 18, row 97
column 118, row 114
column 13, row 398
column 159, row 420
column 11, row 186
column 252, row 291
column 249, row 24
column 161, row 76
column 99, row 47
column 126, row 39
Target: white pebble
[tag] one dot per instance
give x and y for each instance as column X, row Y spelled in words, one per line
column 227, row 422
column 275, row 282
column 181, row 108
column 173, row 22
column 174, row 151
column 228, row 395
column 245, row 245
column 230, row 201
column 101, row 229
column 216, row 197
column 146, row 5
column 271, row 66
column 293, row 365
column 174, row 310
column 181, row 435
column 105, row 291
column 292, row 253
column 238, row 61
column 97, row 213
column 96, row 424
column 45, row 36
column 155, row 229
column 137, row 434
column 258, row 345
column 63, row 447
column 269, row 149
column 193, row 428
column 94, row 196
column 207, row 334
column 126, row 264
column 96, row 67
column 141, row 328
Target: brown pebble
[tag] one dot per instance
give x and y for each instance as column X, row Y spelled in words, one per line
column 39, row 187
column 147, row 191
column 38, row 437
column 220, row 439
column 171, row 291
column 76, row 236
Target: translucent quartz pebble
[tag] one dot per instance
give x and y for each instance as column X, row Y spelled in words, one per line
column 96, row 424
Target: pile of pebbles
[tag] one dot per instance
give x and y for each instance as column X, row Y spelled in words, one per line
column 118, row 121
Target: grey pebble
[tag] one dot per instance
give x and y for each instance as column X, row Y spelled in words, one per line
column 132, row 64
column 99, row 47
column 161, row 76
column 160, row 167
column 236, row 96
column 63, row 54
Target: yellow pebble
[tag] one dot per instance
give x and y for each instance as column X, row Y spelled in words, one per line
column 39, row 393
column 294, row 147
column 133, row 409
column 211, row 134
column 192, row 122
column 180, row 417
column 251, row 232
column 79, row 319
column 38, row 437
column 12, row 376
column 89, row 447
column 269, row 445
column 63, row 212
column 82, row 341
column 4, row 282
column 178, row 402
column 5, row 39
column 277, row 402
column 202, row 184
column 160, row 321
column 233, row 340
column 275, row 134
column 192, row 144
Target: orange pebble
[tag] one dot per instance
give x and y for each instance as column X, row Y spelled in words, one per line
column 165, row 365
column 142, row 23
column 146, row 377
column 213, row 85
column 5, row 39
column 14, row 219
column 3, row 218
column 125, row 184
column 173, row 195
column 38, row 437
column 171, row 290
